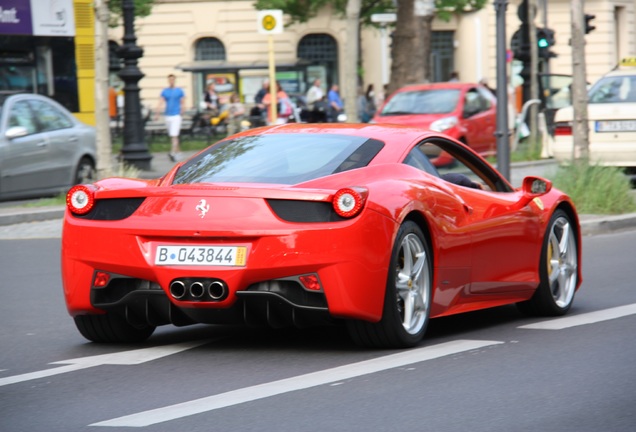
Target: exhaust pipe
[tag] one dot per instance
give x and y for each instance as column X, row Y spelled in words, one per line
column 217, row 290
column 197, row 290
column 177, row 289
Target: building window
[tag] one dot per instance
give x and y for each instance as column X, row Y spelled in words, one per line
column 318, row 47
column 209, row 49
column 442, row 55
column 321, row 50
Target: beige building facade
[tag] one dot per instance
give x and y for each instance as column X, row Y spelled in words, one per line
column 176, row 35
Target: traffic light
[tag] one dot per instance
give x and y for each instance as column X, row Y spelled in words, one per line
column 545, row 40
column 520, row 42
column 588, row 26
column 114, row 60
column 520, row 50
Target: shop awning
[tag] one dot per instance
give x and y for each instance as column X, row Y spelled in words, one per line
column 224, row 66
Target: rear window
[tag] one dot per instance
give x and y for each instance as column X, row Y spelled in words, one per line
column 614, row 89
column 439, row 101
column 278, row 158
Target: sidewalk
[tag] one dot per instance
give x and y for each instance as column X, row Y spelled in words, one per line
column 15, row 212
column 161, row 164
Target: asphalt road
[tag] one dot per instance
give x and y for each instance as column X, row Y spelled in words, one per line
column 493, row 370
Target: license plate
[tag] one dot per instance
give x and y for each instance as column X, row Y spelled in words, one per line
column 616, row 126
column 201, row 255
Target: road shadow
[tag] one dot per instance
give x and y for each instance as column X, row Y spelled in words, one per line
column 333, row 338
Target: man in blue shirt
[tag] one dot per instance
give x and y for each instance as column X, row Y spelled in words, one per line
column 174, row 100
column 335, row 103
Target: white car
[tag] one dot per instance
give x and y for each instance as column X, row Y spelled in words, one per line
column 612, row 120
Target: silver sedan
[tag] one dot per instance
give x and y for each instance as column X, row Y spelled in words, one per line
column 44, row 149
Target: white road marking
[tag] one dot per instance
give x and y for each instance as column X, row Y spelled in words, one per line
column 133, row 357
column 314, row 379
column 583, row 319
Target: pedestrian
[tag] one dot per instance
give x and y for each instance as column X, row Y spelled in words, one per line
column 385, row 94
column 484, row 82
column 314, row 94
column 372, row 104
column 285, row 108
column 211, row 99
column 172, row 101
column 259, row 109
column 258, row 98
column 454, row 77
column 335, row 102
column 236, row 114
column 112, row 103
column 362, row 106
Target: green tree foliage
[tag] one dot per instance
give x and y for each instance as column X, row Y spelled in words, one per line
column 445, row 9
column 303, row 10
column 142, row 8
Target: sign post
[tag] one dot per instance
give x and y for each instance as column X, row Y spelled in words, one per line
column 270, row 22
column 384, row 19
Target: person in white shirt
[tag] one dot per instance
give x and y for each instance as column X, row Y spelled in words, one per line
column 314, row 93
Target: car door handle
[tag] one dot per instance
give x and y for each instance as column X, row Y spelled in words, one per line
column 42, row 143
column 73, row 139
column 468, row 209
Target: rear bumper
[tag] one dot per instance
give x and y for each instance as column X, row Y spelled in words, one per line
column 605, row 149
column 350, row 259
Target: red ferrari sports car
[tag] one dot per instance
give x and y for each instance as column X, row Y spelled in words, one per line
column 300, row 224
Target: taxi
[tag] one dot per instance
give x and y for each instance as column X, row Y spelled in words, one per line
column 612, row 120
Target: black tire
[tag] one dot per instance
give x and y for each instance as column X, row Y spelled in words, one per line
column 111, row 328
column 558, row 269
column 85, row 172
column 410, row 278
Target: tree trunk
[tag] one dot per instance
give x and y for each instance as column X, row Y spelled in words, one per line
column 580, row 130
column 425, row 26
column 352, row 52
column 102, row 117
column 402, row 52
column 411, row 48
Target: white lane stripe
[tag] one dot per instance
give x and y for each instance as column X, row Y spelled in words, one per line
column 133, row 357
column 274, row 388
column 583, row 319
column 42, row 374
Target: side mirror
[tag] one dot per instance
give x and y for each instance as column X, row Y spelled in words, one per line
column 16, row 132
column 536, row 186
column 532, row 188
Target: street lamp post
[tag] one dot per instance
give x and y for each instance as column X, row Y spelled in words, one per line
column 134, row 151
column 502, row 133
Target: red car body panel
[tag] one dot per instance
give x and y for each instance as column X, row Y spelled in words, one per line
column 485, row 245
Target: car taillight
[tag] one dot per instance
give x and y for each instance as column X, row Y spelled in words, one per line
column 311, row 282
column 80, row 199
column 348, row 202
column 563, row 128
column 101, row 279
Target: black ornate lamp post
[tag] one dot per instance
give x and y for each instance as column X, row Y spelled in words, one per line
column 502, row 133
column 134, row 151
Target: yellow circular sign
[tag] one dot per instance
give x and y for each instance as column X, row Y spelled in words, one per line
column 269, row 22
